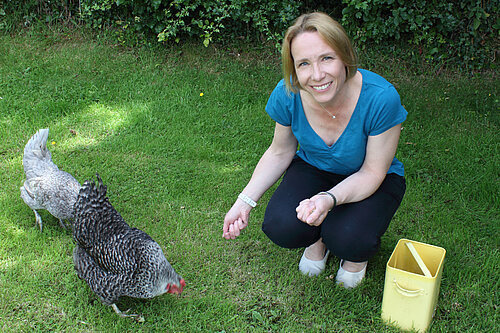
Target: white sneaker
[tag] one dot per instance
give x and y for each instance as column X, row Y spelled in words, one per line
column 349, row 279
column 312, row 267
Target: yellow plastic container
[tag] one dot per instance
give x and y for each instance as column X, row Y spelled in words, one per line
column 412, row 283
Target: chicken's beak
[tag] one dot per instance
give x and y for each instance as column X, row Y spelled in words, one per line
column 175, row 289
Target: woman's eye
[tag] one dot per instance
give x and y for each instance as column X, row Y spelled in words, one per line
column 327, row 58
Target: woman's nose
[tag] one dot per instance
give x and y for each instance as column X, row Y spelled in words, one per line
column 318, row 72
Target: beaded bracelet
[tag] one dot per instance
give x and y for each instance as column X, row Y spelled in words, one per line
column 333, row 197
column 247, row 200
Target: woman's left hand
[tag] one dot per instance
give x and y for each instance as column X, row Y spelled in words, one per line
column 314, row 210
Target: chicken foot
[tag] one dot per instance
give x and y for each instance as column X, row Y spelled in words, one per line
column 125, row 314
column 63, row 225
column 38, row 220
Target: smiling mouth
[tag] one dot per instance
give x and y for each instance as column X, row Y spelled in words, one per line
column 323, row 87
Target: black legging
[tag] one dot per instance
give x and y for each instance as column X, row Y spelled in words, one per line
column 350, row 231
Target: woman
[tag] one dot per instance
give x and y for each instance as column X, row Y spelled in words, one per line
column 343, row 185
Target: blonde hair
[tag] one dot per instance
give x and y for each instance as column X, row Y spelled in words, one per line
column 332, row 33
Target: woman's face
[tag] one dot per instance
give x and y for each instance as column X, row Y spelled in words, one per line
column 319, row 70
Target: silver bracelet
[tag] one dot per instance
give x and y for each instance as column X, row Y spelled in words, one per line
column 333, row 197
column 247, row 200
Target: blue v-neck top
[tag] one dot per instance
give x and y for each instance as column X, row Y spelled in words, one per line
column 377, row 110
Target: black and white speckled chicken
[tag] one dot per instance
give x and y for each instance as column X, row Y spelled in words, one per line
column 114, row 259
column 47, row 187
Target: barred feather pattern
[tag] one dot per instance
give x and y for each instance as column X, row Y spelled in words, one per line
column 113, row 258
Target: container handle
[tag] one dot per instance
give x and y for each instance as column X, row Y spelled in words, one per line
column 419, row 260
column 407, row 292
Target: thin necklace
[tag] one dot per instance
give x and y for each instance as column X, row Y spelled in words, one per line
column 333, row 117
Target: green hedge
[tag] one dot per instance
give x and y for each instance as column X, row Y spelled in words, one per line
column 461, row 33
column 208, row 20
column 28, row 12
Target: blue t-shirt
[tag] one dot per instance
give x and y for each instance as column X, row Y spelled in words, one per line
column 377, row 110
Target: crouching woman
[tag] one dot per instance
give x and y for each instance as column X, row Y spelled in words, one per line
column 343, row 184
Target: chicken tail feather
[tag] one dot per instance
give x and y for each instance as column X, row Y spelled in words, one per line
column 94, row 214
column 37, row 158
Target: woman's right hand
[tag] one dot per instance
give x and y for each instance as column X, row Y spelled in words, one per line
column 270, row 168
column 236, row 219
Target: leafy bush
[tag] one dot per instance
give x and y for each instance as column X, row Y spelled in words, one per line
column 210, row 20
column 28, row 11
column 462, row 32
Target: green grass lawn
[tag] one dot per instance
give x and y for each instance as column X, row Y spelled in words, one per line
column 175, row 134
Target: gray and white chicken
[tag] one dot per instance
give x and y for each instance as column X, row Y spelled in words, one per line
column 47, row 187
column 114, row 259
